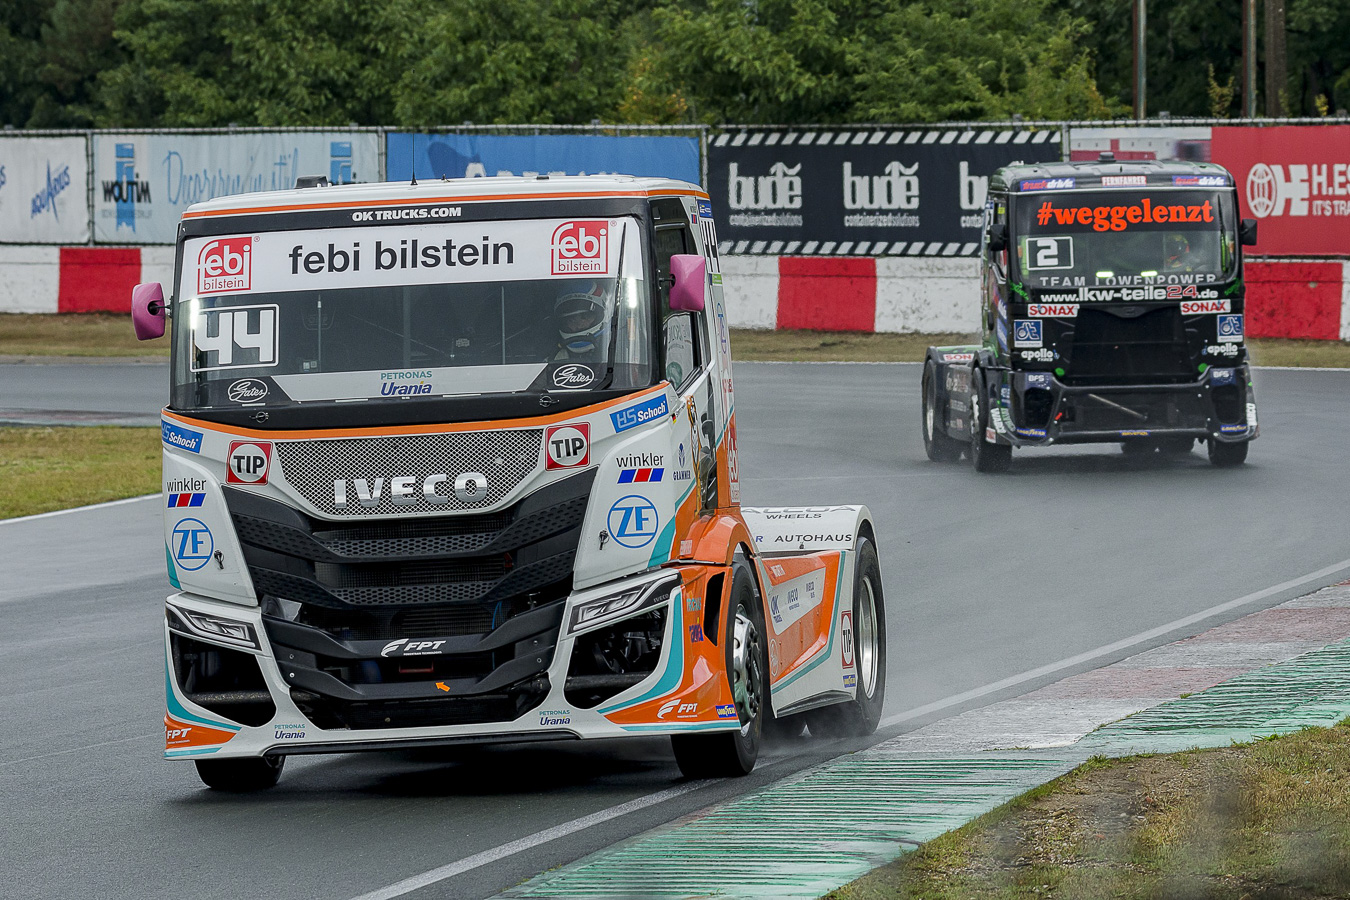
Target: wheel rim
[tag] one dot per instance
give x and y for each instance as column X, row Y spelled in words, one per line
column 928, row 403
column 745, row 673
column 975, row 435
column 867, row 651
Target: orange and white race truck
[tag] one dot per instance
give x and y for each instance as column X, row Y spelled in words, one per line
column 456, row 462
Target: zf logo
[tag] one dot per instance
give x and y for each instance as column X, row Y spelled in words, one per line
column 249, row 462
column 225, row 265
column 241, row 338
column 568, row 446
column 633, row 521
column 192, row 544
column 581, row 248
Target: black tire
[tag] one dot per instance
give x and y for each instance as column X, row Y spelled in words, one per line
column 985, row 456
column 939, row 445
column 860, row 716
column 239, row 776
column 730, row 754
column 1227, row 455
column 1176, row 446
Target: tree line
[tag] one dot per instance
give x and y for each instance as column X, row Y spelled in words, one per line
column 174, row 63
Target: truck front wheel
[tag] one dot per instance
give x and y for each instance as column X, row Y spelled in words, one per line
column 240, row 775
column 939, row 445
column 986, row 455
column 733, row 753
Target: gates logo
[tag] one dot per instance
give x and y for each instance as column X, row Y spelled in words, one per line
column 568, row 446
column 581, row 248
column 225, row 266
column 249, row 462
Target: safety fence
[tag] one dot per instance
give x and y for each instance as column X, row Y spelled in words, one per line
column 834, row 227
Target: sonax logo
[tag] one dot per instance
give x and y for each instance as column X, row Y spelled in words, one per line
column 581, row 248
column 225, row 266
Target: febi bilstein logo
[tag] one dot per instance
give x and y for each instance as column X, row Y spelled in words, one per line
column 126, row 189
column 225, row 265
column 581, row 248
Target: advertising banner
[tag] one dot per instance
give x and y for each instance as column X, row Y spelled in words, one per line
column 478, row 155
column 860, row 192
column 1294, row 180
column 44, row 195
column 143, row 182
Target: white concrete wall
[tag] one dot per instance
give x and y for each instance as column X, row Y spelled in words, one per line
column 30, row 278
column 928, row 295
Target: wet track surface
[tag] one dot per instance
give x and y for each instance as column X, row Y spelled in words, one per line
column 987, row 578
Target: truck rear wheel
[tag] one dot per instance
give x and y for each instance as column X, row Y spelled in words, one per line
column 240, row 776
column 987, row 456
column 733, row 753
column 1226, row 455
column 860, row 716
column 939, row 446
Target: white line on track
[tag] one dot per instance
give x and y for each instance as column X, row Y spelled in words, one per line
column 487, row 857
column 1115, row 646
column 64, row 512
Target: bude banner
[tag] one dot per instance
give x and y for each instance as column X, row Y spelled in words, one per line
column 1294, row 180
column 797, row 192
column 143, row 182
column 44, row 190
column 478, row 155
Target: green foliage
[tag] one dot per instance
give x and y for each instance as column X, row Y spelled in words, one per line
column 121, row 63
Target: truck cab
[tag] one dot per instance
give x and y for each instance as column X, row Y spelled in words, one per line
column 457, row 461
column 1111, row 310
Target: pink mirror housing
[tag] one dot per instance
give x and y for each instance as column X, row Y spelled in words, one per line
column 689, row 277
column 147, row 310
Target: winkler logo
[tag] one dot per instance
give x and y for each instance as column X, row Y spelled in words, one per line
column 126, row 189
column 225, row 266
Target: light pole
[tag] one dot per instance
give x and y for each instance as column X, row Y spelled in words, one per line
column 1140, row 65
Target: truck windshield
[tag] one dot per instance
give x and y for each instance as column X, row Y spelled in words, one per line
column 1115, row 237
column 405, row 312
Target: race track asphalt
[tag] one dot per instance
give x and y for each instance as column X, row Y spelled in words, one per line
column 992, row 583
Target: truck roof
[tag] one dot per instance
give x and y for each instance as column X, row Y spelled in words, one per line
column 1058, row 176
column 443, row 190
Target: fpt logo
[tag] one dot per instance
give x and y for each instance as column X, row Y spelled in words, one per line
column 633, row 521
column 568, row 446
column 248, row 462
column 581, row 248
column 225, row 265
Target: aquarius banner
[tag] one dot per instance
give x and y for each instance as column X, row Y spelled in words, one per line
column 478, row 155
column 799, row 192
column 44, row 190
column 143, row 182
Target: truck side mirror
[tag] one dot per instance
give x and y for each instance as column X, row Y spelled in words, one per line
column 688, row 281
column 147, row 310
column 1247, row 232
column 998, row 237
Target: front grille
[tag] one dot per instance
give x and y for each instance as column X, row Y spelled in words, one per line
column 1159, row 410
column 360, row 715
column 504, row 457
column 1152, row 348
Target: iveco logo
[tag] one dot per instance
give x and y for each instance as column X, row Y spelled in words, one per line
column 407, row 490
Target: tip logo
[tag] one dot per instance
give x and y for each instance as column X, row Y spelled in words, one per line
column 633, row 521
column 568, row 446
column 581, row 248
column 225, row 266
column 249, row 462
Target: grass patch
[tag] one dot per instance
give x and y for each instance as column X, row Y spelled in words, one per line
column 74, row 334
column 43, row 469
column 837, row 346
column 1269, row 819
column 1313, row 354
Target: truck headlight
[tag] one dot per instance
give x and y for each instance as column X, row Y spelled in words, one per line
column 199, row 624
column 601, row 611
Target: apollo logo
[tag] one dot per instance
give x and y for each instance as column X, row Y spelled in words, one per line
column 225, row 266
column 896, row 188
column 780, row 189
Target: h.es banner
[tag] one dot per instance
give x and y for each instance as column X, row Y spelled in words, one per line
column 860, row 192
column 478, row 155
column 143, row 182
column 1295, row 180
column 44, row 190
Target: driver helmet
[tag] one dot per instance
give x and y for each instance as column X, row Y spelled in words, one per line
column 582, row 313
column 1176, row 250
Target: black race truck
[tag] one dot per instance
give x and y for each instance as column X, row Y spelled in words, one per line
column 1112, row 312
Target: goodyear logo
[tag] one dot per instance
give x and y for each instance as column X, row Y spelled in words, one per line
column 639, row 414
column 726, row 711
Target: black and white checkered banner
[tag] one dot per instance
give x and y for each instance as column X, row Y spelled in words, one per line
column 860, row 192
